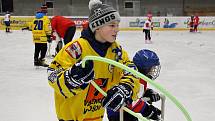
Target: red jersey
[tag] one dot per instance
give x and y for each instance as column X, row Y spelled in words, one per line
column 144, row 83
column 137, row 105
column 60, row 24
column 196, row 20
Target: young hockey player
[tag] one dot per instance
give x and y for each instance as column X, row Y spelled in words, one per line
column 195, row 23
column 65, row 28
column 148, row 64
column 7, row 21
column 41, row 33
column 75, row 98
column 147, row 27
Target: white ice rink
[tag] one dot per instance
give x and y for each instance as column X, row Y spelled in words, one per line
column 188, row 73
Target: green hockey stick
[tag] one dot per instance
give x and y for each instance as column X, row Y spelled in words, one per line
column 138, row 74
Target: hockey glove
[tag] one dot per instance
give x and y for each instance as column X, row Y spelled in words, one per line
column 116, row 97
column 152, row 95
column 49, row 39
column 148, row 111
column 78, row 76
column 151, row 112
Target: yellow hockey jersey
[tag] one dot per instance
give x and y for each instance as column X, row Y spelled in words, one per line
column 40, row 29
column 84, row 104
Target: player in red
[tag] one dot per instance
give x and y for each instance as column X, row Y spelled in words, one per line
column 196, row 23
column 148, row 64
column 65, row 29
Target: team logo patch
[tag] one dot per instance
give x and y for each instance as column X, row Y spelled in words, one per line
column 74, row 50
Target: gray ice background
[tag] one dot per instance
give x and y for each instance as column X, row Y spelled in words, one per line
column 188, row 73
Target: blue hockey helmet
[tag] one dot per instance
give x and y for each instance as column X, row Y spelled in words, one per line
column 39, row 15
column 147, row 63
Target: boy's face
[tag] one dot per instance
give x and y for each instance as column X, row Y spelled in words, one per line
column 108, row 32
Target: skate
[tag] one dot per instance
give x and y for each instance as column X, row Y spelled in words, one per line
column 148, row 42
column 36, row 64
column 8, row 30
column 43, row 63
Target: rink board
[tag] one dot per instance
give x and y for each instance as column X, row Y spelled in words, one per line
column 127, row 23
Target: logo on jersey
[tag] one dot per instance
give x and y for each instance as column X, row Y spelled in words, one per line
column 74, row 50
column 118, row 52
column 93, row 101
column 132, row 66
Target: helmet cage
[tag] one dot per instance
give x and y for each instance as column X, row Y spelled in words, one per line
column 154, row 72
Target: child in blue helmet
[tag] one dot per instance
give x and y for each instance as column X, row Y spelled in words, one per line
column 41, row 32
column 148, row 64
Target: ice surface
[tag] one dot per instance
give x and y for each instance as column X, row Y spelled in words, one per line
column 188, row 72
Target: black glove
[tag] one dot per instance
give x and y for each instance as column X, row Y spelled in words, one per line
column 78, row 76
column 49, row 38
column 116, row 97
column 152, row 95
column 151, row 112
